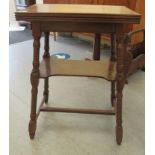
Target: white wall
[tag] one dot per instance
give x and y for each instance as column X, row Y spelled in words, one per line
column 39, row 1
column 12, row 10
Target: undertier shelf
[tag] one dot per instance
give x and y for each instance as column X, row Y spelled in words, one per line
column 58, row 67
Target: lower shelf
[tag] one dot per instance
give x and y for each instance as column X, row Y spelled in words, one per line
column 57, row 67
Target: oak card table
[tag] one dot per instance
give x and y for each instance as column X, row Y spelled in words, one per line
column 80, row 18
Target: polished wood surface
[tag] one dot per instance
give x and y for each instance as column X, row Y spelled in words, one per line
column 96, row 19
column 93, row 12
column 82, row 111
column 80, row 9
column 34, row 78
column 46, row 55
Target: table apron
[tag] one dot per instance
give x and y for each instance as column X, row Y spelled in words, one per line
column 59, row 26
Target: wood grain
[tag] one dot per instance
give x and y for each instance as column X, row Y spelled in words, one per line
column 98, row 13
column 34, row 78
column 75, row 110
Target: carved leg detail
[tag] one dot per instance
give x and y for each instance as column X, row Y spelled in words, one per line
column 46, row 45
column 120, row 81
column 119, row 128
column 123, row 62
column 46, row 55
column 119, row 134
column 34, row 78
column 32, row 123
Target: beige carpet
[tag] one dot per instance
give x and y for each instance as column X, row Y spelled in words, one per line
column 72, row 134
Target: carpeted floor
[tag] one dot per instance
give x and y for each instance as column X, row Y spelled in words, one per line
column 72, row 134
column 19, row 36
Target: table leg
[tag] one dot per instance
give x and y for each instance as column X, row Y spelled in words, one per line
column 46, row 91
column 46, row 55
column 113, row 58
column 96, row 53
column 34, row 78
column 119, row 87
column 113, row 95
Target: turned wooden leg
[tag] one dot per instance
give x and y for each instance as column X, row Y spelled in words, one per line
column 119, row 128
column 32, row 123
column 46, row 55
column 34, row 78
column 124, row 59
column 46, row 45
column 113, row 58
column 120, row 81
column 113, row 96
column 96, row 53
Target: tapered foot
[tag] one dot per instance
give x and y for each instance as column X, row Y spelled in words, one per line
column 32, row 129
column 119, row 134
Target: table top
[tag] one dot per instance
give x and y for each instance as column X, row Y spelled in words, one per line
column 51, row 11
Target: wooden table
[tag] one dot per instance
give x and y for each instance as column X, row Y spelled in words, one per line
column 80, row 18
